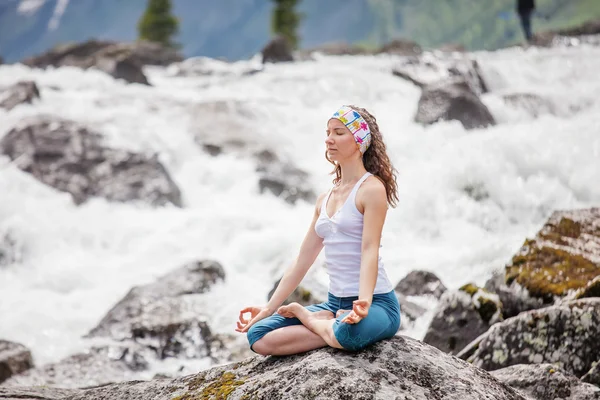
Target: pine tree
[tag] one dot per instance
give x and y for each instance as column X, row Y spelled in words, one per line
column 158, row 24
column 285, row 21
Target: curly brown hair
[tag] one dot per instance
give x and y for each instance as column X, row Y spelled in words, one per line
column 375, row 159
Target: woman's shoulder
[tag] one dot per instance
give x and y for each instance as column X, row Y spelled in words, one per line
column 319, row 202
column 372, row 191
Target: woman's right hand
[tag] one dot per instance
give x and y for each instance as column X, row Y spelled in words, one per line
column 256, row 314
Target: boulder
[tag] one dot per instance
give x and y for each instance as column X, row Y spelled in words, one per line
column 120, row 60
column 565, row 335
column 277, row 50
column 514, row 298
column 533, row 104
column 34, row 393
column 421, row 283
column 401, row 47
column 562, row 258
column 546, row 381
column 452, row 100
column 593, row 375
column 14, row 359
column 461, row 316
column 166, row 316
column 400, row 368
column 409, row 311
column 24, row 92
column 93, row 367
column 73, row 159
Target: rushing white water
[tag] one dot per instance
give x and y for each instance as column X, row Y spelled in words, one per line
column 78, row 261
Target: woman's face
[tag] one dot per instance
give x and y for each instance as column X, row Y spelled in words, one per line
column 340, row 142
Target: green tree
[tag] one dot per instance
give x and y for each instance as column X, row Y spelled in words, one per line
column 285, row 20
column 157, row 24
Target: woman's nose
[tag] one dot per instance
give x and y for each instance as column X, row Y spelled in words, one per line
column 328, row 140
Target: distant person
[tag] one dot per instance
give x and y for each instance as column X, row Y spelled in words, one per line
column 525, row 9
column 347, row 222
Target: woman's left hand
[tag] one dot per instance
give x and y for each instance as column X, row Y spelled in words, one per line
column 360, row 309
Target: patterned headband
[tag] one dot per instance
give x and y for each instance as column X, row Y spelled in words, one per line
column 357, row 126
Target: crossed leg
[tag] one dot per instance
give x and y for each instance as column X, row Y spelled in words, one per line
column 319, row 323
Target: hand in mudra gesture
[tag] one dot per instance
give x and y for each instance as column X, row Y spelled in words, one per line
column 360, row 309
column 256, row 314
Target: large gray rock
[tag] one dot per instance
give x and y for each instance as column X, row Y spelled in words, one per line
column 461, row 316
column 19, row 93
column 453, row 99
column 565, row 334
column 514, row 298
column 400, row 368
column 166, row 316
column 72, row 158
column 14, row 359
column 421, row 283
column 546, row 382
column 34, row 393
column 93, row 367
column 277, row 50
column 121, row 60
column 564, row 256
column 593, row 375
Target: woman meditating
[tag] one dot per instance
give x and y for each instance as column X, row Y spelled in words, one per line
column 361, row 308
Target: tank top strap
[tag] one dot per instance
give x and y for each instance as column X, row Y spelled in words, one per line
column 352, row 196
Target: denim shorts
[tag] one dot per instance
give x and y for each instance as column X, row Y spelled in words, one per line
column 382, row 322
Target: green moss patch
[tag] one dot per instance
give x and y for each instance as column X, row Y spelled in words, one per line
column 546, row 272
column 219, row 389
column 487, row 307
column 565, row 228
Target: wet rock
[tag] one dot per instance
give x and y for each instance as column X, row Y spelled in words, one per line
column 399, row 368
column 564, row 334
column 73, row 159
column 166, row 316
column 19, row 93
column 453, row 100
column 563, row 257
column 121, row 60
column 401, row 47
column 421, row 283
column 461, row 316
column 335, row 49
column 409, row 311
column 95, row 366
column 122, row 67
column 14, row 359
column 235, row 132
column 532, row 104
column 283, row 179
column 34, row 393
column 277, row 50
column 546, row 381
column 514, row 298
column 592, row 289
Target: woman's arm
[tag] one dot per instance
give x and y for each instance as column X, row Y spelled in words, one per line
column 310, row 249
column 374, row 201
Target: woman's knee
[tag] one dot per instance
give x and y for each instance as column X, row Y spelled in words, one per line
column 262, row 347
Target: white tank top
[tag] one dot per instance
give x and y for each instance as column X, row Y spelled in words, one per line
column 342, row 240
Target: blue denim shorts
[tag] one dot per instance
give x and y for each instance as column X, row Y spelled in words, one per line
column 382, row 322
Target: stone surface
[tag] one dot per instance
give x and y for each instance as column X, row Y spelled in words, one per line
column 452, row 99
column 565, row 334
column 14, row 359
column 593, row 375
column 71, row 158
column 563, row 257
column 24, row 92
column 461, row 316
column 514, row 298
column 421, row 283
column 166, row 316
column 277, row 50
column 34, row 393
column 546, row 381
column 95, row 366
column 400, row 369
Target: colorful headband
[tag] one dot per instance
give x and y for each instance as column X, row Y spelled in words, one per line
column 357, row 126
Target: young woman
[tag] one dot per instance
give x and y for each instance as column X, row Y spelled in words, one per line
column 348, row 220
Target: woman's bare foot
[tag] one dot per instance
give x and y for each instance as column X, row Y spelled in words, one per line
column 340, row 312
column 294, row 309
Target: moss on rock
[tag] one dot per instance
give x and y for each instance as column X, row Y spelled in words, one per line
column 546, row 271
column 485, row 306
column 219, row 389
